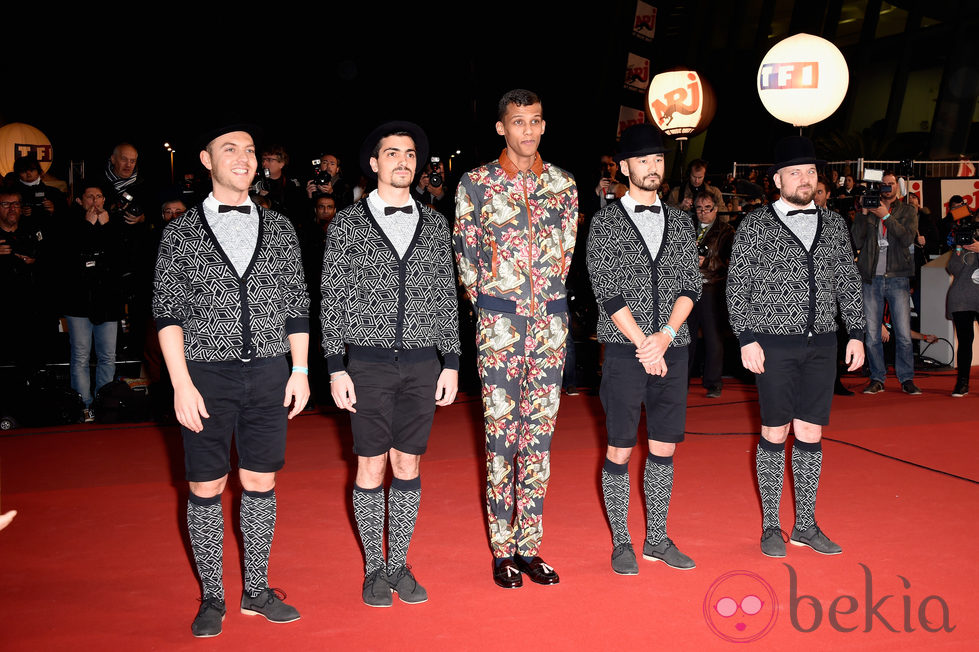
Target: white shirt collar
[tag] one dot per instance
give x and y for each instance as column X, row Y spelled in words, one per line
column 630, row 204
column 212, row 204
column 377, row 203
column 783, row 208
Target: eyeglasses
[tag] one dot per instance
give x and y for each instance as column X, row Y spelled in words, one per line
column 9, row 204
column 705, row 209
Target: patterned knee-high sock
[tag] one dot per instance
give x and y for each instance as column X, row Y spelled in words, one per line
column 205, row 521
column 658, row 483
column 770, row 468
column 807, row 464
column 257, row 530
column 369, row 512
column 615, row 489
column 403, row 501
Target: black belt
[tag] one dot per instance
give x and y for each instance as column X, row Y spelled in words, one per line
column 510, row 306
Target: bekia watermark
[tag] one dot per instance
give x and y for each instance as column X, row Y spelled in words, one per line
column 740, row 606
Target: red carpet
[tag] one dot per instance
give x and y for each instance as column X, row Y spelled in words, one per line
column 96, row 558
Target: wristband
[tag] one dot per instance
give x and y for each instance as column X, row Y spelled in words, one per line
column 336, row 374
column 303, row 370
column 669, row 331
column 885, row 217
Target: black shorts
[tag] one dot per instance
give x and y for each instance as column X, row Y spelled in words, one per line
column 395, row 404
column 626, row 387
column 244, row 398
column 798, row 380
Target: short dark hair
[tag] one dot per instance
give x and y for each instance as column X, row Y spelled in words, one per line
column 8, row 191
column 696, row 164
column 25, row 163
column 377, row 146
column 518, row 96
column 85, row 184
column 277, row 151
column 703, row 195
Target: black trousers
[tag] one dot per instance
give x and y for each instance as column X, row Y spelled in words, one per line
column 963, row 332
column 709, row 315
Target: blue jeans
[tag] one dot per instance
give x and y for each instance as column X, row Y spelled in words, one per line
column 895, row 290
column 80, row 332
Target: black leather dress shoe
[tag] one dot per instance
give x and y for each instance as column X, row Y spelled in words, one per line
column 537, row 570
column 507, row 575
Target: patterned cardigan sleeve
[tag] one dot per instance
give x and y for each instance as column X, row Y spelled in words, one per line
column 446, row 299
column 336, row 288
column 295, row 292
column 171, row 288
column 740, row 280
column 602, row 256
column 849, row 286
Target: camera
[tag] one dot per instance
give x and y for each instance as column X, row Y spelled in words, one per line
column 320, row 177
column 36, row 200
column 703, row 250
column 127, row 204
column 965, row 229
column 872, row 179
column 435, row 179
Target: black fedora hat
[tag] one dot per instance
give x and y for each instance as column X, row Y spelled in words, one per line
column 386, row 129
column 249, row 128
column 795, row 150
column 640, row 140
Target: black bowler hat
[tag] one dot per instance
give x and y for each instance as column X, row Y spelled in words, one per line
column 795, row 150
column 252, row 130
column 417, row 134
column 640, row 140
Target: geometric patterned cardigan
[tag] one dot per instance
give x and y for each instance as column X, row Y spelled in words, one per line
column 624, row 274
column 776, row 287
column 372, row 297
column 226, row 317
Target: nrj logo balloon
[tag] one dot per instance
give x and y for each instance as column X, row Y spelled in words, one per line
column 740, row 607
column 803, row 79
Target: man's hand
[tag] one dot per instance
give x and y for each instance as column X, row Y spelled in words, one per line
column 656, row 368
column 885, row 335
column 6, row 518
column 342, row 389
column 854, row 355
column 973, row 246
column 880, row 211
column 687, row 203
column 48, row 205
column 653, row 347
column 298, row 388
column 753, row 357
column 188, row 404
column 134, row 219
column 447, row 387
column 5, row 249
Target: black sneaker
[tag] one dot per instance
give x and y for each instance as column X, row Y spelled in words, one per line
column 407, row 587
column 910, row 388
column 961, row 389
column 713, row 392
column 209, row 618
column 269, row 603
column 874, row 387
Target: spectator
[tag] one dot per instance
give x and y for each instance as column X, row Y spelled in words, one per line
column 948, row 222
column 683, row 195
column 92, row 272
column 884, row 235
column 283, row 193
column 714, row 241
column 22, row 328
column 334, row 185
column 435, row 196
column 962, row 307
column 41, row 202
column 126, row 190
column 609, row 186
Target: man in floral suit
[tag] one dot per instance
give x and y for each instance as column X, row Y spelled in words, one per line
column 516, row 221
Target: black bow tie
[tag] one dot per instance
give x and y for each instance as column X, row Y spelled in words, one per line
column 391, row 210
column 803, row 211
column 224, row 208
column 652, row 209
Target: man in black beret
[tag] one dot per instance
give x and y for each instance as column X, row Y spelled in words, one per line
column 230, row 303
column 790, row 265
column 389, row 304
column 643, row 265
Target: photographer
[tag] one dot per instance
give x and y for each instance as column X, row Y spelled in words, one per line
column 92, row 261
column 431, row 189
column 962, row 304
column 20, row 291
column 328, row 180
column 283, row 193
column 884, row 234
column 40, row 202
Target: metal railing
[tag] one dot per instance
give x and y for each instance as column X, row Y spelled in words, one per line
column 919, row 169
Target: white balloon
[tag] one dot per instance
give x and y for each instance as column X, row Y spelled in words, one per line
column 803, row 79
